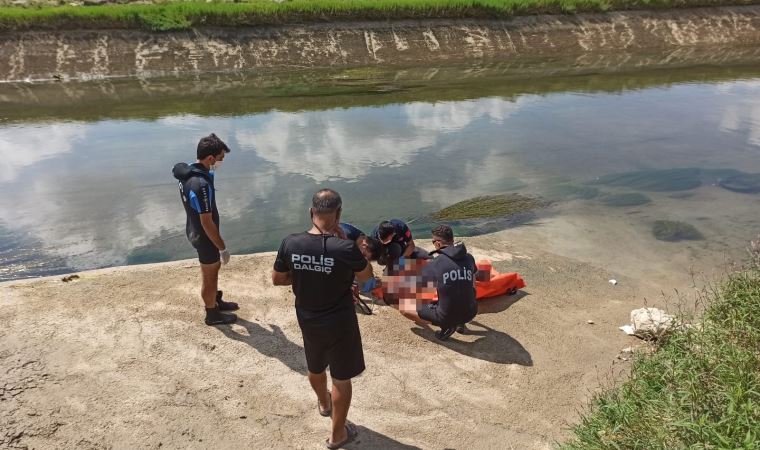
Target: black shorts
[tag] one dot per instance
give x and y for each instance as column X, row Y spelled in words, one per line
column 207, row 251
column 335, row 343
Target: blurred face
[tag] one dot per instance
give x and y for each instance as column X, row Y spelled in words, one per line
column 437, row 243
column 388, row 239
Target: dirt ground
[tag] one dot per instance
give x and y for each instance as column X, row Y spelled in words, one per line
column 121, row 359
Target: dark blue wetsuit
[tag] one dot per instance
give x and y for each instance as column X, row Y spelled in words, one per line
column 196, row 188
column 352, row 233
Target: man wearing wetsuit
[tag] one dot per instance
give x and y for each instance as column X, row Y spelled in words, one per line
column 452, row 273
column 196, row 189
column 321, row 267
column 397, row 241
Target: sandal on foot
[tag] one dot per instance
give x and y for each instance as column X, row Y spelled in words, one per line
column 351, row 433
column 325, row 412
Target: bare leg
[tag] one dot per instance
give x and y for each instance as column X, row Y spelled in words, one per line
column 408, row 309
column 318, row 382
column 210, row 274
column 341, row 401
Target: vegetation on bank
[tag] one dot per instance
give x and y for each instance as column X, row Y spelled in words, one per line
column 179, row 15
column 699, row 390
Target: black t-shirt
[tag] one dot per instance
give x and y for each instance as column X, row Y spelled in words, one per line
column 322, row 268
column 453, row 273
column 402, row 234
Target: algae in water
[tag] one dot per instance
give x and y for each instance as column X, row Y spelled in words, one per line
column 488, row 206
column 655, row 180
column 746, row 183
column 673, row 230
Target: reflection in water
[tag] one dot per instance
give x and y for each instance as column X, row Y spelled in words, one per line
column 744, row 115
column 91, row 194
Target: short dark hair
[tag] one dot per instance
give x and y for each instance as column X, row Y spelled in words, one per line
column 374, row 246
column 385, row 229
column 211, row 146
column 444, row 233
column 326, row 201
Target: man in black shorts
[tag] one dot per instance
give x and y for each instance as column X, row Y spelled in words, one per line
column 452, row 273
column 321, row 267
column 196, row 188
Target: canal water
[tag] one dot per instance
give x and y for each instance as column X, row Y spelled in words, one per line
column 86, row 176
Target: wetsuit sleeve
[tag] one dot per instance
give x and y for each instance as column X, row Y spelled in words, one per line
column 352, row 257
column 200, row 196
column 281, row 261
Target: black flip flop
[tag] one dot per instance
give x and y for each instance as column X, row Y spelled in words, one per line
column 328, row 412
column 352, row 432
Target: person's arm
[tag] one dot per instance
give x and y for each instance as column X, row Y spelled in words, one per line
column 281, row 278
column 409, row 248
column 364, row 274
column 281, row 275
column 351, row 256
column 212, row 231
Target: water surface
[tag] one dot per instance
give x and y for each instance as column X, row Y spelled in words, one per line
column 87, row 167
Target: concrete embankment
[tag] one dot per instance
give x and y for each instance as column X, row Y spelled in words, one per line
column 38, row 55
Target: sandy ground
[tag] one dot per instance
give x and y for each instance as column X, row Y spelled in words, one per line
column 121, row 357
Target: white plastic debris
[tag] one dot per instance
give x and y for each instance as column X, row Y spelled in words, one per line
column 590, row 322
column 613, row 282
column 628, row 329
column 648, row 323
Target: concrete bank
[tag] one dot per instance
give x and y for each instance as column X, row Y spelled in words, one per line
column 38, row 55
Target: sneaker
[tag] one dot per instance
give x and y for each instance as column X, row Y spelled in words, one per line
column 225, row 306
column 462, row 329
column 444, row 333
column 216, row 317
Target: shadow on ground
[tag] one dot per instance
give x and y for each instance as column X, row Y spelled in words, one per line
column 493, row 346
column 501, row 303
column 372, row 439
column 273, row 344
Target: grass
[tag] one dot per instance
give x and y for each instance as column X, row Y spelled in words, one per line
column 699, row 390
column 488, row 206
column 181, row 15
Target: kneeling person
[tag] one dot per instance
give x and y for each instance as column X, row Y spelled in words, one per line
column 452, row 272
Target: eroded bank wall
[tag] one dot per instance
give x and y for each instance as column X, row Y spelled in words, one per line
column 99, row 54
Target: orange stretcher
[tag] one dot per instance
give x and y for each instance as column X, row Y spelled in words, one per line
column 497, row 284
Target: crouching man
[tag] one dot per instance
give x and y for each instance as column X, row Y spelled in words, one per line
column 452, row 273
column 321, row 267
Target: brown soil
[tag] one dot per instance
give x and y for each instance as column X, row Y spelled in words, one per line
column 120, row 358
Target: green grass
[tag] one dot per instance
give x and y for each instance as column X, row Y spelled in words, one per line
column 699, row 390
column 180, row 15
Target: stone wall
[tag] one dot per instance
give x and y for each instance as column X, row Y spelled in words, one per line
column 115, row 53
